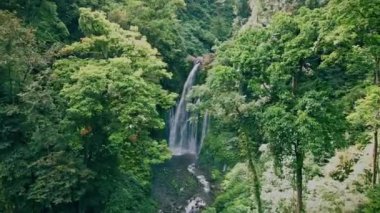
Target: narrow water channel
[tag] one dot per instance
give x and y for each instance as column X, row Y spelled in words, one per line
column 180, row 186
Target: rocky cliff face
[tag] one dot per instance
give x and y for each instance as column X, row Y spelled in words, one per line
column 263, row 10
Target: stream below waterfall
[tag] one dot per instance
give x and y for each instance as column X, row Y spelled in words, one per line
column 180, row 186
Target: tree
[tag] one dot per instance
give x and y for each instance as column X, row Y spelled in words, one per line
column 30, row 157
column 19, row 56
column 43, row 16
column 158, row 21
column 111, row 83
column 86, row 141
column 269, row 82
column 356, row 32
column 19, row 59
column 367, row 113
column 300, row 96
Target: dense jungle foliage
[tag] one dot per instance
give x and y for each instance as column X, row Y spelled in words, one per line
column 306, row 85
column 86, row 86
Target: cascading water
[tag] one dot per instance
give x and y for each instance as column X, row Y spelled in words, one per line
column 184, row 138
column 185, row 141
column 205, row 123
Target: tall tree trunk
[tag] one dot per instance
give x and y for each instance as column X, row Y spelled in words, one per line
column 377, row 70
column 375, row 155
column 299, row 169
column 251, row 165
column 375, row 134
column 256, row 185
column 298, row 150
column 78, row 207
column 11, row 96
column 294, row 84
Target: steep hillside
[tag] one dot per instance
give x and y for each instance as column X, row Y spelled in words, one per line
column 263, row 10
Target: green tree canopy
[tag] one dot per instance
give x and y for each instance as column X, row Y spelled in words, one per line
column 101, row 104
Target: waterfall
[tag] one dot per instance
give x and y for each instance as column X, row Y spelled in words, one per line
column 184, row 138
column 204, row 129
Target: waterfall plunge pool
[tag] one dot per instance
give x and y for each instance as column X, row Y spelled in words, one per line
column 180, row 186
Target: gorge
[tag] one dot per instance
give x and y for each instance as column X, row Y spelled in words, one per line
column 106, row 108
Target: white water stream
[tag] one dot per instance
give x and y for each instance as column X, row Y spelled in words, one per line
column 196, row 204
